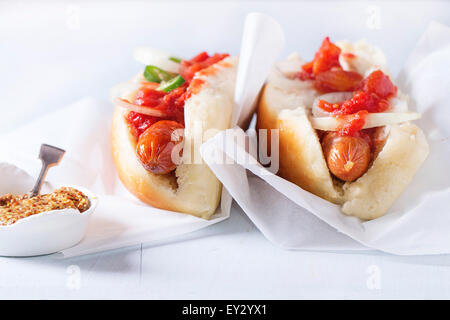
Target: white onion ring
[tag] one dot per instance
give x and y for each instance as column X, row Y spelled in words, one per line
column 139, row 109
column 397, row 104
column 333, row 97
column 372, row 120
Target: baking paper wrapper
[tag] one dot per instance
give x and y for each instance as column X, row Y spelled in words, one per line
column 419, row 220
column 83, row 130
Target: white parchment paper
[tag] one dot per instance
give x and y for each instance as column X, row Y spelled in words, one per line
column 417, row 223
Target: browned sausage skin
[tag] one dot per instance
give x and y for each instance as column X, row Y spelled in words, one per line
column 347, row 157
column 155, row 146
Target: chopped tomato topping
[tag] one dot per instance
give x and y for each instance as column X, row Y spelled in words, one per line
column 349, row 55
column 360, row 101
column 326, row 58
column 372, row 96
column 201, row 61
column 139, row 122
column 337, row 80
column 303, row 75
column 329, row 107
column 380, row 84
column 354, row 124
column 308, row 67
column 364, row 101
column 327, row 72
column 172, row 102
column 148, row 97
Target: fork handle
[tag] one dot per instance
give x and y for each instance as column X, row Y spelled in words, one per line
column 38, row 185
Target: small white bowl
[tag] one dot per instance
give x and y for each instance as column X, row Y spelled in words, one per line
column 45, row 232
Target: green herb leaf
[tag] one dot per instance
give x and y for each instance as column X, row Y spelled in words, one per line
column 155, row 74
column 175, row 59
column 171, row 84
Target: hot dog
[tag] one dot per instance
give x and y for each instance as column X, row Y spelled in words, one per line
column 344, row 127
column 347, row 157
column 155, row 146
column 159, row 115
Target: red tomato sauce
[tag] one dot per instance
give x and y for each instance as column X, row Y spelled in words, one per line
column 171, row 103
column 326, row 58
column 369, row 95
column 355, row 124
column 349, row 55
column 188, row 68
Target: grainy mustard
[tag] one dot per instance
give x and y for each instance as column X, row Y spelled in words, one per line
column 13, row 208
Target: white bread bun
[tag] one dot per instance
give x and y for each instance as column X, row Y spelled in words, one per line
column 283, row 91
column 286, row 104
column 193, row 189
column 371, row 195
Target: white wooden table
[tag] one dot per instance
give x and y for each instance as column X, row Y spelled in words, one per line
column 55, row 53
column 230, row 260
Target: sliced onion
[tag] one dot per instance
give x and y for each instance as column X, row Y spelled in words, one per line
column 372, row 120
column 161, row 59
column 139, row 109
column 397, row 104
column 333, row 97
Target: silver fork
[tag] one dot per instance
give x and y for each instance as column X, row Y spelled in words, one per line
column 50, row 157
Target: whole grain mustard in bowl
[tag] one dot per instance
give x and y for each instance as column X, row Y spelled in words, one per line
column 43, row 224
